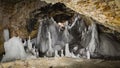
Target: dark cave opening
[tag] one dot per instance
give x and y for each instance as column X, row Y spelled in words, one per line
column 61, row 17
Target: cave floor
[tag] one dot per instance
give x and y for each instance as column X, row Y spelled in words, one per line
column 61, row 63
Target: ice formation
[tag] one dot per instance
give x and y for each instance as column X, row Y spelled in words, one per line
column 50, row 49
column 94, row 39
column 56, row 53
column 29, row 44
column 77, row 37
column 6, row 34
column 62, row 55
column 67, row 52
column 14, row 49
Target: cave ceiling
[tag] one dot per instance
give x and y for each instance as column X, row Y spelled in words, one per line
column 11, row 1
column 107, row 12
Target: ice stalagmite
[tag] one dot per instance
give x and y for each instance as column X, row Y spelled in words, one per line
column 41, row 39
column 32, row 52
column 62, row 55
column 67, row 52
column 6, row 34
column 50, row 49
column 73, row 55
column 56, row 53
column 14, row 49
column 88, row 54
column 66, row 33
column 94, row 39
column 29, row 44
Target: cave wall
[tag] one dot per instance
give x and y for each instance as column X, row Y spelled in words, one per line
column 107, row 12
column 13, row 16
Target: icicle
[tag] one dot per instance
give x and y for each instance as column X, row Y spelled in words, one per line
column 94, row 39
column 50, row 41
column 88, row 54
column 66, row 31
column 34, row 51
column 62, row 55
column 73, row 23
column 6, row 34
column 31, row 52
column 56, row 53
column 39, row 33
column 67, row 52
column 29, row 44
column 50, row 49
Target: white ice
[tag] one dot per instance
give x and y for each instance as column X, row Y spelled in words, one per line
column 88, row 54
column 73, row 55
column 94, row 39
column 29, row 44
column 56, row 53
column 50, row 49
column 6, row 34
column 67, row 52
column 62, row 55
column 14, row 49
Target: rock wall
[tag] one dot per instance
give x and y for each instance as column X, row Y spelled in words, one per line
column 13, row 16
column 107, row 12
